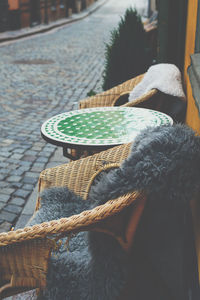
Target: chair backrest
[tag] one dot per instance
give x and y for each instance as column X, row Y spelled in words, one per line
column 111, row 96
column 77, row 175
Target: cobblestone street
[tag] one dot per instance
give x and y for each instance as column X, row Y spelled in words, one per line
column 41, row 76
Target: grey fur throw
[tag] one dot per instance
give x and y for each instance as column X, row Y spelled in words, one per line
column 165, row 163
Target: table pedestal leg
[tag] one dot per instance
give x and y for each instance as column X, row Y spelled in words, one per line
column 72, row 154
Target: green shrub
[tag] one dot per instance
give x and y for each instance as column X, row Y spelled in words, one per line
column 126, row 54
column 91, row 93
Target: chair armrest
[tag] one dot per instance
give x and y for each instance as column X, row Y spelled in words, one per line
column 55, row 229
column 141, row 99
column 24, row 253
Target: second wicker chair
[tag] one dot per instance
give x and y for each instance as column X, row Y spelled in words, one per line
column 117, row 96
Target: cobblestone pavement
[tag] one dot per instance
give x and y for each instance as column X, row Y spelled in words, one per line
column 40, row 77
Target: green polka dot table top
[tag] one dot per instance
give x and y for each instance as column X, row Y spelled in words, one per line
column 102, row 125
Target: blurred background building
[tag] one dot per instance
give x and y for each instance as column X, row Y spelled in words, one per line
column 16, row 14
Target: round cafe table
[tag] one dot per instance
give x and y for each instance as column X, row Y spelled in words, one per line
column 96, row 129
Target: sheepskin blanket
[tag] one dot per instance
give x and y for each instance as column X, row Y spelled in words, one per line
column 164, row 77
column 165, row 163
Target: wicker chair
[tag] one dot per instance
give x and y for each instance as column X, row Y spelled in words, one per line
column 116, row 96
column 154, row 99
column 24, row 253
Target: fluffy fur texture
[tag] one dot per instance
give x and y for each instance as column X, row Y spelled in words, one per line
column 165, row 163
column 163, row 77
column 76, row 273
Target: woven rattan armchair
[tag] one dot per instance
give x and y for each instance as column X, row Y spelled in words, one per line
column 116, row 96
column 25, row 253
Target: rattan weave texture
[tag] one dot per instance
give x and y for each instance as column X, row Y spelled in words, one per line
column 24, row 253
column 79, row 174
column 111, row 96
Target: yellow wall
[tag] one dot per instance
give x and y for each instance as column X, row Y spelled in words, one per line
column 192, row 117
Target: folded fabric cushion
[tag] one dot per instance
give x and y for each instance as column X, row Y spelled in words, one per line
column 165, row 163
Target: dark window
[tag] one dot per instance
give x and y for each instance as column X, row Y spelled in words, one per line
column 197, row 42
column 62, row 4
column 53, row 5
column 194, row 74
column 171, row 31
column 35, row 12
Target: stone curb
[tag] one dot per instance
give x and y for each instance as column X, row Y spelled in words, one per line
column 22, row 33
